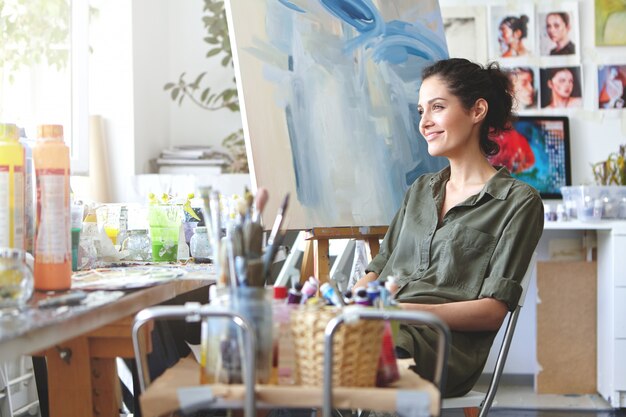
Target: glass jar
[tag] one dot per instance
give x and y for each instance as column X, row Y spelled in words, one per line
column 138, row 245
column 200, row 245
column 16, row 280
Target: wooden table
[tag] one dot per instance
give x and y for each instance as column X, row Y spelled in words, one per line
column 81, row 346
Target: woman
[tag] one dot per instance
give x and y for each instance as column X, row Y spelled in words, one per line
column 561, row 85
column 463, row 238
column 557, row 28
column 513, row 31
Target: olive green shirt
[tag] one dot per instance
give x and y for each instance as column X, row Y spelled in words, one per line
column 481, row 248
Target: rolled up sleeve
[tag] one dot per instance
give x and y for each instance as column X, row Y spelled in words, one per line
column 513, row 252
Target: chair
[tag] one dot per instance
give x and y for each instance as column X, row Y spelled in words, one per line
column 476, row 403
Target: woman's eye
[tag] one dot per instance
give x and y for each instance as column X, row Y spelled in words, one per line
column 420, row 111
column 437, row 106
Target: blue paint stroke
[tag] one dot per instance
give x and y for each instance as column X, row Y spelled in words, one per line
column 292, row 6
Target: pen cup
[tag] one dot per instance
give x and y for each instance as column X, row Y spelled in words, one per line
column 222, row 342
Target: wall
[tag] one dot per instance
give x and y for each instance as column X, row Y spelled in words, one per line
column 593, row 134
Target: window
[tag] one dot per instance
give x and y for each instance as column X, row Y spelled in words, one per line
column 44, row 69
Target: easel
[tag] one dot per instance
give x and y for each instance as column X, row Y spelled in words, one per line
column 316, row 259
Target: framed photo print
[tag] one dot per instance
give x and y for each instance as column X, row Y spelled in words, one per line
column 526, row 87
column 611, row 86
column 461, row 24
column 561, row 88
column 558, row 29
column 610, row 22
column 511, row 31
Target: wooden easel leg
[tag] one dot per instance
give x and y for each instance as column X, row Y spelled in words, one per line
column 471, row 411
column 373, row 244
column 321, row 265
column 307, row 269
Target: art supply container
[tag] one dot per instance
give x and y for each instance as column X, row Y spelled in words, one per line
column 16, row 281
column 138, row 245
column 12, row 188
column 53, row 252
column 222, row 342
column 30, row 193
column 164, row 221
column 356, row 348
column 200, row 244
column 109, row 220
column 76, row 221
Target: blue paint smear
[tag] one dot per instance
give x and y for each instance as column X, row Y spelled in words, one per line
column 292, row 6
column 388, row 157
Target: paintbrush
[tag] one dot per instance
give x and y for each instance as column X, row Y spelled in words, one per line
column 275, row 239
column 260, row 200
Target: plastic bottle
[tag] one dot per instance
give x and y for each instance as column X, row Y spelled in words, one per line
column 11, row 188
column 283, row 353
column 53, row 254
column 30, row 193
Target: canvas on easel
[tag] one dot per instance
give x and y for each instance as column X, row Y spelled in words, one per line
column 328, row 92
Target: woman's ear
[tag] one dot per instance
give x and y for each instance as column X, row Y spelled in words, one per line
column 480, row 110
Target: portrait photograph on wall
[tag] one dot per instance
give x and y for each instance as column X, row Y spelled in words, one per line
column 526, row 87
column 610, row 22
column 536, row 151
column 461, row 24
column 611, row 83
column 511, row 31
column 558, row 29
column 561, row 87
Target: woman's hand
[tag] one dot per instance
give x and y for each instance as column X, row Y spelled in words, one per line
column 369, row 277
column 485, row 314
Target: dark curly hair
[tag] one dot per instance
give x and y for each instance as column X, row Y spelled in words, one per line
column 469, row 82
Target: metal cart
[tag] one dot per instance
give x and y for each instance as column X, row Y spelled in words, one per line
column 208, row 397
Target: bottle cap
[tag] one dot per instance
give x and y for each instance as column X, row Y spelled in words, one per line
column 280, row 293
column 9, row 131
column 50, row 132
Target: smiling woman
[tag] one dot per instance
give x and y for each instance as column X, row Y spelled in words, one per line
column 43, row 69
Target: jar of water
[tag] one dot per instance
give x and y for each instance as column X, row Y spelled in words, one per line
column 16, row 280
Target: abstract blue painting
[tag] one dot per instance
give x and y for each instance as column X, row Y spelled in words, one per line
column 329, row 90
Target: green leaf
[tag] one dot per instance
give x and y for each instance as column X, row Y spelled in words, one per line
column 205, row 94
column 174, row 93
column 226, row 60
column 196, row 83
column 168, row 86
column 211, row 40
column 213, row 52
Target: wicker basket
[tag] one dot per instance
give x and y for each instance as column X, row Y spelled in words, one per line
column 356, row 348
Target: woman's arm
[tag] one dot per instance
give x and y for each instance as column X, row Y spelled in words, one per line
column 485, row 314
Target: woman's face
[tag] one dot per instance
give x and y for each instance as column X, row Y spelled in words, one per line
column 445, row 124
column 557, row 30
column 562, row 83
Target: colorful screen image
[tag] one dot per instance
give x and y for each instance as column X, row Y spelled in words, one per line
column 536, row 151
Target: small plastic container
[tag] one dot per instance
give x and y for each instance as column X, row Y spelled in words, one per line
column 595, row 202
column 200, row 244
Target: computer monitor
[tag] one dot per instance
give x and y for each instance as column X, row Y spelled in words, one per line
column 536, row 151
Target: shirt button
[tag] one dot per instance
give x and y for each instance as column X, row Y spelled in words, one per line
column 430, row 233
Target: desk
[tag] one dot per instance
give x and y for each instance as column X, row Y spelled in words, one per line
column 85, row 384
column 611, row 321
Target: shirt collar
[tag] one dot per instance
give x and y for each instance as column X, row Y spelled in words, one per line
column 498, row 186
